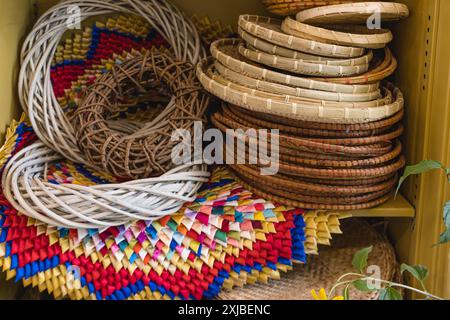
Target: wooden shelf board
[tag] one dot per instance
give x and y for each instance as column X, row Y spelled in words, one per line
column 394, row 208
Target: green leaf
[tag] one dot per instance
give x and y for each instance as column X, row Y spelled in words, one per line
column 390, row 293
column 360, row 259
column 419, row 272
column 362, row 285
column 422, row 167
column 445, row 236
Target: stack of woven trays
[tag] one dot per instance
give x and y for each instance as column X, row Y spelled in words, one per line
column 339, row 123
column 227, row 237
column 291, row 7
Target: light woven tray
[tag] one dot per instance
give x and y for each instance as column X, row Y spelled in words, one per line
column 295, row 110
column 292, row 7
column 346, row 35
column 301, row 56
column 276, row 88
column 225, row 51
column 353, row 13
column 216, row 76
column 300, row 67
column 270, row 29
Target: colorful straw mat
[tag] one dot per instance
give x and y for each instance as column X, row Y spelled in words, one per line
column 86, row 54
column 324, row 271
column 226, row 238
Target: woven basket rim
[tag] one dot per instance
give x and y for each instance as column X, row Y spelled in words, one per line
column 384, row 99
column 359, row 12
column 274, row 34
column 299, row 67
column 259, row 72
column 373, row 39
column 268, row 47
column 276, row 88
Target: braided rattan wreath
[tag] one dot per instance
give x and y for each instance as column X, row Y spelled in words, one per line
column 146, row 152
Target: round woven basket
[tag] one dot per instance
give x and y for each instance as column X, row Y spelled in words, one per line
column 270, row 30
column 382, row 67
column 300, row 56
column 353, row 13
column 264, row 102
column 300, row 67
column 384, row 99
column 225, row 51
column 276, row 88
column 292, row 7
column 346, row 35
column 38, row 99
column 324, row 270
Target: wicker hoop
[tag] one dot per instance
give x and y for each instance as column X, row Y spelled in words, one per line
column 146, row 152
column 303, row 111
column 91, row 207
column 353, row 13
column 346, row 35
column 270, row 29
column 225, row 51
column 35, row 89
column 276, row 88
column 300, row 56
column 299, row 67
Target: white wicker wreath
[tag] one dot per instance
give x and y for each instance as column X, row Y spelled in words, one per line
column 101, row 206
column 35, row 87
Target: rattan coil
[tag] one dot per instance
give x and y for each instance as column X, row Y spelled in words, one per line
column 145, row 152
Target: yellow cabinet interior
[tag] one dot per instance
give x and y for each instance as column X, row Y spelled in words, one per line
column 422, row 46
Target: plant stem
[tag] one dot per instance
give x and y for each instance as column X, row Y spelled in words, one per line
column 389, row 283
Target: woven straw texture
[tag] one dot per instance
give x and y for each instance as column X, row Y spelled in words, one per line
column 225, row 238
column 323, row 271
column 270, row 30
column 346, row 35
column 354, row 13
column 291, row 7
column 282, row 105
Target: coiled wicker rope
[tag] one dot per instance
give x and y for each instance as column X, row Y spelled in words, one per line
column 99, row 206
column 35, row 89
column 147, row 151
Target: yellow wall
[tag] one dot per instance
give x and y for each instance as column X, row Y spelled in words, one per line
column 15, row 16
